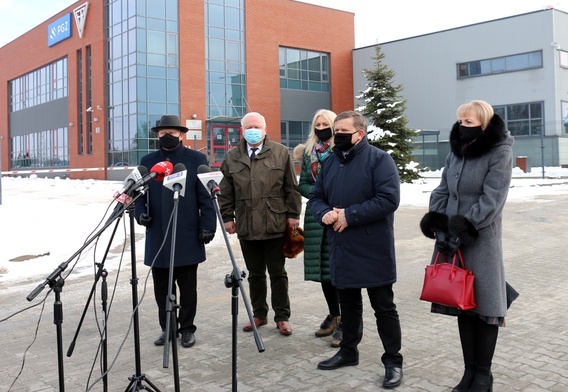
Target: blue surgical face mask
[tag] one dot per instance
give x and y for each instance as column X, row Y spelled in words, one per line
column 253, row 135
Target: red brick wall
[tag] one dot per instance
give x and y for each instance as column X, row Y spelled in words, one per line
column 274, row 23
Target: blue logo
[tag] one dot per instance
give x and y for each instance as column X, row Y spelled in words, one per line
column 59, row 30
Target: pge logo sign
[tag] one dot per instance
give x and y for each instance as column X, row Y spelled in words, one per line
column 59, row 30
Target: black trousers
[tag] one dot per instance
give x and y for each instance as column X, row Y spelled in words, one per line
column 260, row 256
column 185, row 278
column 388, row 324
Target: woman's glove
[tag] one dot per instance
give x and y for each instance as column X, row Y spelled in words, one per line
column 433, row 222
column 447, row 244
column 463, row 229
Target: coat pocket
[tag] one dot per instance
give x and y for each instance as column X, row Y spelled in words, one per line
column 275, row 216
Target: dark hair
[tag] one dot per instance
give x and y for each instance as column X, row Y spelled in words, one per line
column 358, row 119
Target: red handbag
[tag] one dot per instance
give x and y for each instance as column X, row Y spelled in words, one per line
column 449, row 284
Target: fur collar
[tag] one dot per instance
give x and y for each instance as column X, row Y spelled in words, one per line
column 493, row 135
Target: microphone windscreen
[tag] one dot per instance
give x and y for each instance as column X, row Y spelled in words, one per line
column 162, row 169
column 203, row 169
column 142, row 170
column 179, row 167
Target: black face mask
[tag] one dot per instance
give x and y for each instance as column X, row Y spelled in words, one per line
column 469, row 134
column 343, row 141
column 323, row 134
column 169, row 141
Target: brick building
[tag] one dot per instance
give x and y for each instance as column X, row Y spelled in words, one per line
column 82, row 90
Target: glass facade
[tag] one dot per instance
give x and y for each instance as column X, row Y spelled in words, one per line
column 225, row 58
column 45, row 148
column 143, row 69
column 304, row 70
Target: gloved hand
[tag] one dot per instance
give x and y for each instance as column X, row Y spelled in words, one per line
column 206, row 236
column 446, row 243
column 461, row 227
column 145, row 219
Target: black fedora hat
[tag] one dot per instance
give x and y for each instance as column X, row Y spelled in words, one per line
column 169, row 121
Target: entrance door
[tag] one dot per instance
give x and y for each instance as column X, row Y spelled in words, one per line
column 223, row 138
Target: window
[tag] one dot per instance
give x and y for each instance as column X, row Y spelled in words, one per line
column 40, row 86
column 523, row 119
column 304, row 70
column 563, row 58
column 293, row 133
column 518, row 62
column 49, row 148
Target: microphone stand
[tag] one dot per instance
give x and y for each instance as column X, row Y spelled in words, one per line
column 56, row 282
column 171, row 306
column 235, row 282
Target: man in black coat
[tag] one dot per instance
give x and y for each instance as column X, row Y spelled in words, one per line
column 356, row 194
column 196, row 226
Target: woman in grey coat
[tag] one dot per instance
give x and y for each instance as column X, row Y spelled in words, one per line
column 466, row 208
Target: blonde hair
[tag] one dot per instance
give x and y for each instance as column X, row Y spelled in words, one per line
column 312, row 138
column 481, row 109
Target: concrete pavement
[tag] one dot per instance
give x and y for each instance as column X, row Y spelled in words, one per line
column 531, row 355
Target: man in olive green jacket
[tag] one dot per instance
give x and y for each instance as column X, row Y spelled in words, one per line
column 259, row 199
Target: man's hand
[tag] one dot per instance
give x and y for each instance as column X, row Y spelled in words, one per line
column 293, row 223
column 230, row 227
column 206, row 235
column 329, row 218
column 145, row 219
column 341, row 223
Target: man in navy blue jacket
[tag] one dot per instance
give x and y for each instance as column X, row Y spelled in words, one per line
column 356, row 194
column 195, row 227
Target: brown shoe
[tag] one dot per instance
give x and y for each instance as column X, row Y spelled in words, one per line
column 284, row 327
column 257, row 321
column 337, row 336
column 328, row 326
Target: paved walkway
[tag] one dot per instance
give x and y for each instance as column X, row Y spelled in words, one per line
column 532, row 352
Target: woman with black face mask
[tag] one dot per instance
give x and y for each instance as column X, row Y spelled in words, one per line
column 467, row 207
column 316, row 251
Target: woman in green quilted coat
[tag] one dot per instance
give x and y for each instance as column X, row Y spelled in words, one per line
column 316, row 252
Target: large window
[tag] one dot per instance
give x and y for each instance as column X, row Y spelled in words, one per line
column 40, row 86
column 225, row 58
column 304, row 70
column 518, row 62
column 523, row 119
column 48, row 148
column 293, row 133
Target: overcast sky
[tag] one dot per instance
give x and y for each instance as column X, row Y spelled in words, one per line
column 376, row 21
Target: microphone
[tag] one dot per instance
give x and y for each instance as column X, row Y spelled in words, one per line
column 157, row 172
column 210, row 179
column 134, row 176
column 176, row 180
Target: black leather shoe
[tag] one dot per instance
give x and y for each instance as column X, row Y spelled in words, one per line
column 161, row 339
column 337, row 361
column 393, row 377
column 187, row 339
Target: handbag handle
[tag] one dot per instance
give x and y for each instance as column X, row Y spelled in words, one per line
column 457, row 256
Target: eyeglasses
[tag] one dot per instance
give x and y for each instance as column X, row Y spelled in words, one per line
column 173, row 132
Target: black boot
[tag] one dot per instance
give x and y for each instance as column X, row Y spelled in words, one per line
column 483, row 380
column 466, row 380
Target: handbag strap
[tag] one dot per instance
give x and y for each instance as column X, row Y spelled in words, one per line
column 458, row 256
column 438, row 258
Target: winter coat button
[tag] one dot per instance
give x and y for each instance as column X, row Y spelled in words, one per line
column 455, row 197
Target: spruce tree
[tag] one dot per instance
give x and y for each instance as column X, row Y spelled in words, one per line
column 384, row 112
